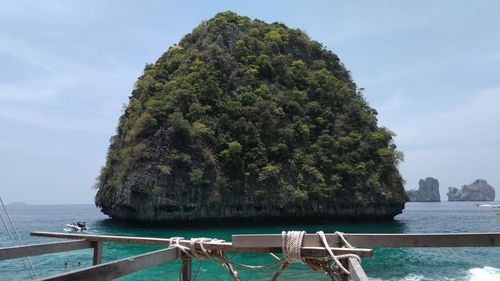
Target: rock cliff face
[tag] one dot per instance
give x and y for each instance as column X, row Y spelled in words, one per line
column 479, row 190
column 428, row 191
column 245, row 120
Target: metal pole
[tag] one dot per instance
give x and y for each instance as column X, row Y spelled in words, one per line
column 18, row 237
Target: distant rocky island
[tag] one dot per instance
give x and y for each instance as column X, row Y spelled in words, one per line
column 428, row 191
column 245, row 120
column 479, row 190
column 17, row 204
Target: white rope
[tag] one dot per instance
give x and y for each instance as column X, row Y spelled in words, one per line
column 335, row 258
column 341, row 236
column 258, row 267
column 291, row 244
column 175, row 243
column 192, row 252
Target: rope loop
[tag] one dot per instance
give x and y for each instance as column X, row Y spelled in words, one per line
column 291, row 245
column 192, row 251
column 335, row 258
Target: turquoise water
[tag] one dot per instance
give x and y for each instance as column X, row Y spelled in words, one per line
column 472, row 264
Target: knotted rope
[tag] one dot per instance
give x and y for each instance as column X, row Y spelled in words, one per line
column 291, row 244
column 335, row 258
column 192, row 252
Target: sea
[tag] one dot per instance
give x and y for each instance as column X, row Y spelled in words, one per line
column 405, row 264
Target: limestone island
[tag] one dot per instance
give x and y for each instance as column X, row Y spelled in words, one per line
column 248, row 121
column 17, row 204
column 479, row 190
column 428, row 191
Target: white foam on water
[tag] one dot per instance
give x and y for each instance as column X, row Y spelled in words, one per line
column 486, row 273
column 413, row 277
column 410, row 277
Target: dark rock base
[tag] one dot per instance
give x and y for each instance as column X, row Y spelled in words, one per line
column 263, row 217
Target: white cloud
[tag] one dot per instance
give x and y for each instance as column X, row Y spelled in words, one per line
column 84, row 100
column 22, row 51
column 472, row 122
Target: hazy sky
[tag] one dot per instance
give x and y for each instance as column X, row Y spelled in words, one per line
column 430, row 68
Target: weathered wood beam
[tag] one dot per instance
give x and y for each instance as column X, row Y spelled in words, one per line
column 356, row 271
column 377, row 240
column 425, row 240
column 97, row 256
column 307, row 251
column 274, row 241
column 128, row 239
column 41, row 249
column 186, row 269
column 344, row 276
column 115, row 269
column 320, row 252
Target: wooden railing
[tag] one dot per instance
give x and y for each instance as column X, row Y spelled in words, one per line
column 119, row 268
column 41, row 249
column 379, row 240
column 266, row 243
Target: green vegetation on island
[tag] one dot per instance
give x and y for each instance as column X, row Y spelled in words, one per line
column 245, row 119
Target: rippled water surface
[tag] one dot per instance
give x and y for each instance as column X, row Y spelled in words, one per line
column 388, row 264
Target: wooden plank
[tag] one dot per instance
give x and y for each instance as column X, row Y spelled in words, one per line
column 274, row 241
column 344, row 276
column 41, row 249
column 425, row 240
column 320, row 252
column 115, row 269
column 356, row 271
column 97, row 257
column 377, row 240
column 128, row 239
column 186, row 269
column 308, row 251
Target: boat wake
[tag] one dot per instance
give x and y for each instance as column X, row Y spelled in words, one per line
column 76, row 226
column 486, row 273
column 67, row 229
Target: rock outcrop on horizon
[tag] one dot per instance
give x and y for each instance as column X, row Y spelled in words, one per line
column 479, row 190
column 248, row 120
column 428, row 191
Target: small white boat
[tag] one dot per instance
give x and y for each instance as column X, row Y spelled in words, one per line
column 488, row 205
column 76, row 226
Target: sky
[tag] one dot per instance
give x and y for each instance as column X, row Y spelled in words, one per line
column 430, row 68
